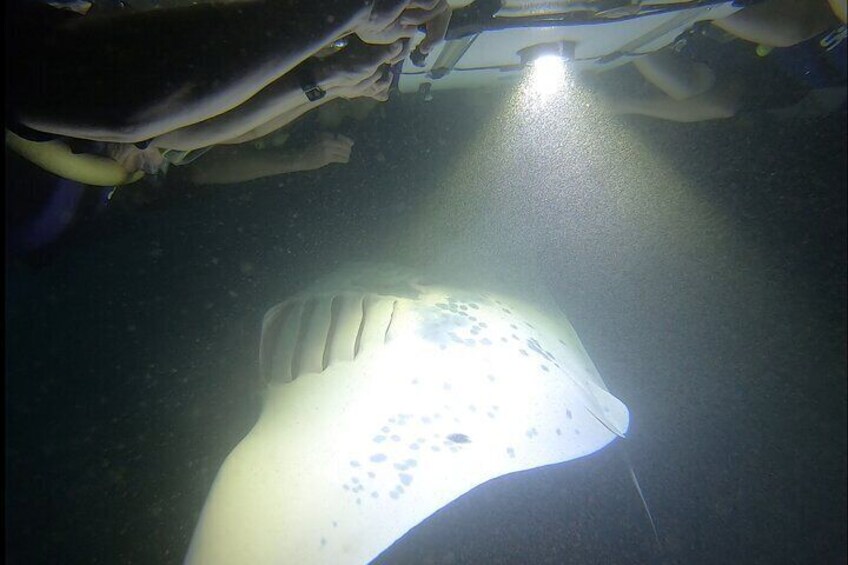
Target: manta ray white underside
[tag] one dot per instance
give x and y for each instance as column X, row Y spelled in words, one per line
column 388, row 399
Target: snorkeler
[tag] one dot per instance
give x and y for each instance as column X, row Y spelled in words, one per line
column 805, row 40
column 241, row 90
column 131, row 77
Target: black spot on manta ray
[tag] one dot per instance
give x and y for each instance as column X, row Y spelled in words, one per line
column 459, row 438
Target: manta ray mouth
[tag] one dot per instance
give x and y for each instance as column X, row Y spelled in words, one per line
column 308, row 334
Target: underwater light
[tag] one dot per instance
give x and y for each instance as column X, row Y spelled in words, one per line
column 547, row 75
column 562, row 50
column 546, row 62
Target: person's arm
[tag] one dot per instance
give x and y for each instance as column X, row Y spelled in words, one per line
column 131, row 77
column 284, row 100
column 241, row 163
column 279, row 122
column 375, row 87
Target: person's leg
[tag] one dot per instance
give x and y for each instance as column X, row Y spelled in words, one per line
column 839, row 9
column 675, row 74
column 718, row 103
column 779, row 23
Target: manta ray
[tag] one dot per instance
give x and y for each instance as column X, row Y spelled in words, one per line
column 388, row 397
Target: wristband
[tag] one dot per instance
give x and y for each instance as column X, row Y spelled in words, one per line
column 309, row 85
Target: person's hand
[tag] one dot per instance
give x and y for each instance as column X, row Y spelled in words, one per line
column 328, row 148
column 435, row 27
column 391, row 20
column 133, row 159
column 357, row 62
column 376, row 86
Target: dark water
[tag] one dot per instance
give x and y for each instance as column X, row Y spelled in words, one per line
column 131, row 354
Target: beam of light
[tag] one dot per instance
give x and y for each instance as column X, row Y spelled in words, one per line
column 558, row 180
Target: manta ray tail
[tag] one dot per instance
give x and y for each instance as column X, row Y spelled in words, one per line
column 630, row 470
